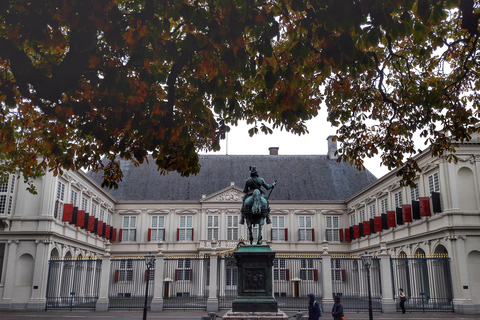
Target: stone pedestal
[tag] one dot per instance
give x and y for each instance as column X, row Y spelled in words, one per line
column 255, row 288
column 279, row 315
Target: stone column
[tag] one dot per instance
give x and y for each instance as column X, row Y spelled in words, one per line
column 6, row 301
column 212, row 302
column 388, row 304
column 157, row 300
column 462, row 302
column 102, row 302
column 327, row 279
column 40, row 277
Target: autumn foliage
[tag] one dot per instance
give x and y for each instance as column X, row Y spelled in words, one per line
column 85, row 81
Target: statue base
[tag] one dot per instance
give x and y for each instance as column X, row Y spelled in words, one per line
column 254, row 265
column 279, row 315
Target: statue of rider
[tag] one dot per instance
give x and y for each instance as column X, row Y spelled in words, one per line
column 252, row 183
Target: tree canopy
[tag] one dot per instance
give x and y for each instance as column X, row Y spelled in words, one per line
column 85, row 81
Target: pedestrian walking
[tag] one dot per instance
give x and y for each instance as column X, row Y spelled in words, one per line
column 401, row 294
column 314, row 309
column 337, row 310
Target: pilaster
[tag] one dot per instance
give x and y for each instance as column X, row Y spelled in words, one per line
column 102, row 302
column 157, row 300
column 212, row 302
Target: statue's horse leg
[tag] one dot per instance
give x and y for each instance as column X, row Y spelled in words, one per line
column 250, row 231
column 260, row 227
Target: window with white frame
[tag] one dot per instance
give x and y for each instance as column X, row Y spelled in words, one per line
column 158, row 228
column 129, row 230
column 332, row 228
column 185, row 232
column 361, row 214
column 305, row 232
column 85, row 204
column 125, row 270
column 58, row 210
column 101, row 217
column 232, row 227
column 372, row 210
column 414, row 193
column 73, row 197
column 307, row 271
column 383, row 205
column 352, row 219
column 109, row 218
column 94, row 211
column 336, row 270
column 184, row 270
column 231, row 274
column 212, row 227
column 3, row 194
column 278, row 228
column 279, row 270
column 397, row 197
column 433, row 183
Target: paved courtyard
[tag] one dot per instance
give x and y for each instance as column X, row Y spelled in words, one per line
column 197, row 315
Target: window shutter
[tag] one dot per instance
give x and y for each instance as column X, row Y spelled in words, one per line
column 416, row 210
column 360, row 227
column 340, row 233
column 383, row 216
column 424, row 206
column 67, row 212
column 315, row 275
column 407, row 213
column 74, row 215
column 113, row 235
column 104, row 229
column 134, row 235
column 372, row 226
column 313, row 235
column 286, row 234
column 120, row 234
column 377, row 221
column 99, row 228
column 287, row 274
column 95, row 225
column 85, row 221
column 117, row 275
column 271, row 234
column 344, row 275
column 436, row 203
column 399, row 215
column 178, row 234
column 347, row 235
column 91, row 223
column 163, row 235
column 149, row 235
column 108, row 230
column 366, row 228
column 80, row 218
column 356, row 231
column 391, row 219
column 192, row 234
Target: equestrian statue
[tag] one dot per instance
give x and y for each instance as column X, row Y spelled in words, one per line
column 255, row 208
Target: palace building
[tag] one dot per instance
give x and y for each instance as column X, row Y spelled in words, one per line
column 75, row 245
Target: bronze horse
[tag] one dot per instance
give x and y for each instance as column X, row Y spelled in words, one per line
column 255, row 210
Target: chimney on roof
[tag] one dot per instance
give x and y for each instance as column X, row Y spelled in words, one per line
column 332, row 148
column 273, row 151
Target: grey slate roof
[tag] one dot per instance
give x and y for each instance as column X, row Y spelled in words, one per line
column 299, row 177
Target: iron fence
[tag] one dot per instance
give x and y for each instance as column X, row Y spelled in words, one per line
column 72, row 284
column 349, row 282
column 186, row 282
column 426, row 281
column 127, row 283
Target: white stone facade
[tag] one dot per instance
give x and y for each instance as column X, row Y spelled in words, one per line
column 32, row 231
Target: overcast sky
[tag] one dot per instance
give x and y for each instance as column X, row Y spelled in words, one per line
column 238, row 142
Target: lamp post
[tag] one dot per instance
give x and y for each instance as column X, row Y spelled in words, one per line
column 367, row 262
column 150, row 263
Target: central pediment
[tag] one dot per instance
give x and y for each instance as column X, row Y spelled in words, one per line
column 230, row 194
